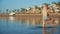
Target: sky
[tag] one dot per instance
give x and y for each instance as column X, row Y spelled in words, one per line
column 17, row 4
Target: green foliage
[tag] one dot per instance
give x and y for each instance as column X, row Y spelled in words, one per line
column 58, row 3
column 7, row 9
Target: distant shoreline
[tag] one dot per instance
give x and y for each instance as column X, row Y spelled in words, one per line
column 30, row 15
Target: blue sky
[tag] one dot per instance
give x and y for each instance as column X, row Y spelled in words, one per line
column 17, row 4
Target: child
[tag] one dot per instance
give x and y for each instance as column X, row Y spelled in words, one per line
column 45, row 13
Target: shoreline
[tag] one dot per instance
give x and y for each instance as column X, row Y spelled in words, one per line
column 31, row 15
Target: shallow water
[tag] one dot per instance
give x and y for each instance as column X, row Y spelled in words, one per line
column 25, row 25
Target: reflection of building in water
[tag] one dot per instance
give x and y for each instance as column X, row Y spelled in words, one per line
column 23, row 20
column 27, row 21
column 31, row 20
column 34, row 20
column 11, row 18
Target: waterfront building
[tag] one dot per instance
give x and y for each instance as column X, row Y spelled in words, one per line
column 55, row 7
column 11, row 14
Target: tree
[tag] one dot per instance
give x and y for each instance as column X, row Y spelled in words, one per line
column 35, row 7
column 0, row 11
column 53, row 2
column 22, row 9
column 58, row 3
column 18, row 10
column 14, row 10
column 7, row 10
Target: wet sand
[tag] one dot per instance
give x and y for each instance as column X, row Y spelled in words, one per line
column 57, row 15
